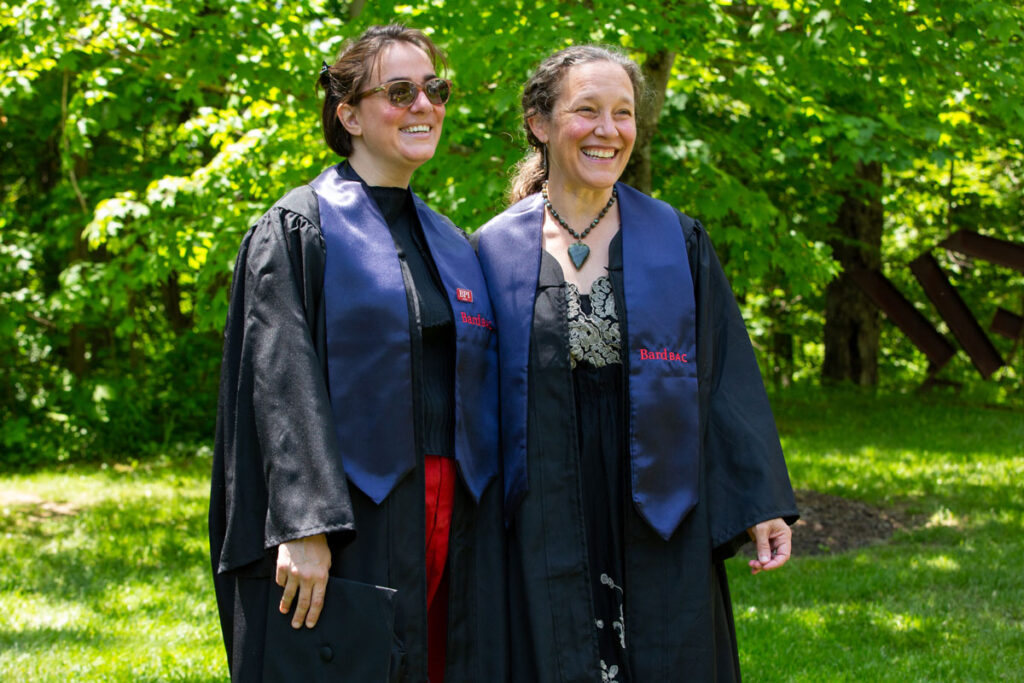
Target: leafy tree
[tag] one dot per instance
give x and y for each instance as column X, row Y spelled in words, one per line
column 803, row 109
column 141, row 139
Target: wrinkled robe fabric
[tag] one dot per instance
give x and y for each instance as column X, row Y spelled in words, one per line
column 278, row 476
column 678, row 614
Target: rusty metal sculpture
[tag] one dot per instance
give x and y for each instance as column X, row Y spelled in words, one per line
column 949, row 304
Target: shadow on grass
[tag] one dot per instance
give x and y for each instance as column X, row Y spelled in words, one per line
column 85, row 557
column 45, row 638
column 853, row 421
column 857, row 642
column 919, row 500
column 126, row 575
column 945, row 609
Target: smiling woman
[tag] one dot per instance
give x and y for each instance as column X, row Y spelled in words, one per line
column 639, row 449
column 392, row 132
column 590, row 134
column 351, row 301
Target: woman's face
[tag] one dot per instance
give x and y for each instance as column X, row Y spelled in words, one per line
column 389, row 142
column 592, row 128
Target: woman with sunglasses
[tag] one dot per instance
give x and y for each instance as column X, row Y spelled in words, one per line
column 355, row 517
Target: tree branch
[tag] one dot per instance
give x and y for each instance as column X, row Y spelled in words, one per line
column 67, row 144
column 151, row 27
column 42, row 321
column 174, row 80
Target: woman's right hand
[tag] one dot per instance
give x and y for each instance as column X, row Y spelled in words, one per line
column 302, row 567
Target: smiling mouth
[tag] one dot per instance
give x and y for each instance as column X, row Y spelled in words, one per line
column 600, row 153
column 423, row 128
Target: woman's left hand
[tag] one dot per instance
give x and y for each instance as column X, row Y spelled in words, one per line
column 774, row 540
column 302, row 568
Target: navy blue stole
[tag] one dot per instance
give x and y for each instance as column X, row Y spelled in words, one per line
column 369, row 343
column 661, row 346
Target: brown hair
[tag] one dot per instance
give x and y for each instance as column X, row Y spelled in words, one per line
column 539, row 96
column 347, row 77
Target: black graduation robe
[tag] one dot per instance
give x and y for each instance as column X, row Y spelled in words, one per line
column 277, row 476
column 678, row 614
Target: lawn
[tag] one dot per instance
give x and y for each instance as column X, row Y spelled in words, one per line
column 105, row 577
column 942, row 600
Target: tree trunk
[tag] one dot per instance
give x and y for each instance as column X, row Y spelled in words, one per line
column 76, row 337
column 781, row 349
column 77, row 347
column 852, row 323
column 355, row 9
column 656, row 69
column 782, row 359
column 171, row 292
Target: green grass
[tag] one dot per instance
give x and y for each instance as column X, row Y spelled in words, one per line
column 112, row 584
column 942, row 600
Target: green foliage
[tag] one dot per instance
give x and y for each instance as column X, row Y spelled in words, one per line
column 787, row 97
column 141, row 139
column 137, row 167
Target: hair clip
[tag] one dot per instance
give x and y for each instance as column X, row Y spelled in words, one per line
column 324, row 68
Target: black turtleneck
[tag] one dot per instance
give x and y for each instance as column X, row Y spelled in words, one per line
column 436, row 387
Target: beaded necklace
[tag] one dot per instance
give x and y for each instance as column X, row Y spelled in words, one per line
column 578, row 252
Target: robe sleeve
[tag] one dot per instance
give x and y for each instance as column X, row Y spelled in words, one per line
column 277, row 461
column 746, row 480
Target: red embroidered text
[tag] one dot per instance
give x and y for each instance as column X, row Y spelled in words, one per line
column 477, row 320
column 664, row 354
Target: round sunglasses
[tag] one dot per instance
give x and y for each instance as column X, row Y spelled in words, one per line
column 404, row 93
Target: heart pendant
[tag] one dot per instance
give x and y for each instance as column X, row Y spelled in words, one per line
column 578, row 254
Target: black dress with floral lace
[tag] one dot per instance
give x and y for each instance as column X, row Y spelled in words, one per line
column 567, row 529
column 595, row 356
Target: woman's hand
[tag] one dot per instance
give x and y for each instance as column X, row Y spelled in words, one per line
column 774, row 540
column 302, row 566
